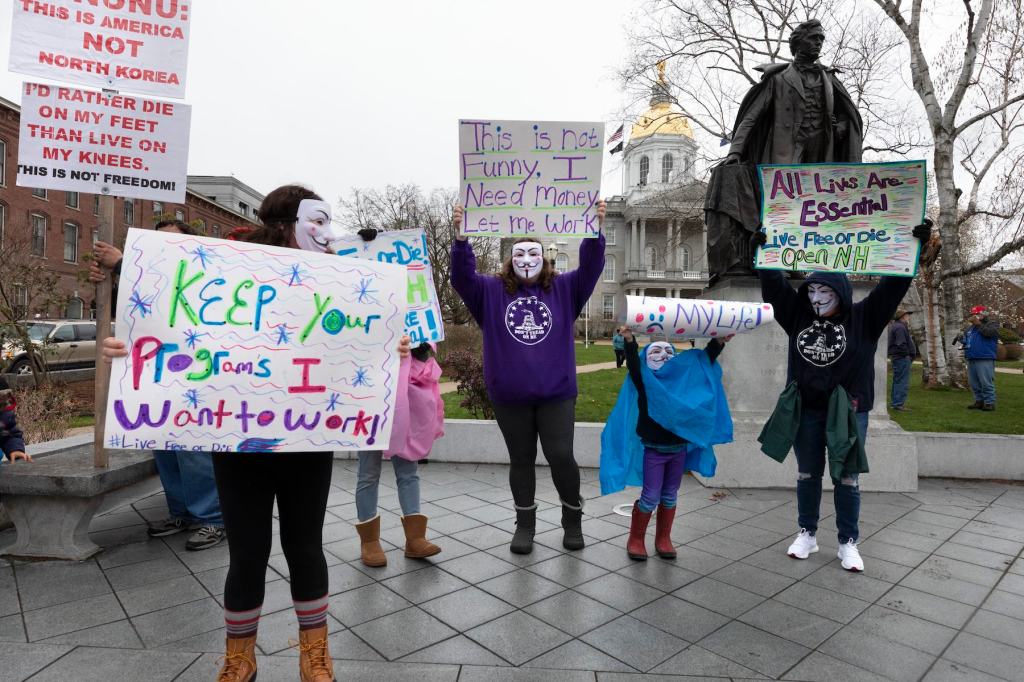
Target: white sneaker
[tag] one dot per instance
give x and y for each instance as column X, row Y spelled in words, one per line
column 850, row 556
column 804, row 545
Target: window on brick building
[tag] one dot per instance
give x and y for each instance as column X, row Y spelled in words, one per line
column 201, row 226
column 70, row 243
column 129, row 211
column 215, row 231
column 3, row 163
column 39, row 193
column 158, row 208
column 179, row 215
column 71, row 199
column 38, row 222
column 96, row 204
column 20, row 300
column 3, row 222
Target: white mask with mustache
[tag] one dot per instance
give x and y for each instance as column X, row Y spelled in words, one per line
column 658, row 353
column 313, row 228
column 823, row 299
column 527, row 259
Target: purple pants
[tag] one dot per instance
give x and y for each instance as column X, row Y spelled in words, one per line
column 663, row 472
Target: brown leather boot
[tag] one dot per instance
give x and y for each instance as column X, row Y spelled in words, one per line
column 416, row 544
column 370, row 550
column 239, row 660
column 315, row 664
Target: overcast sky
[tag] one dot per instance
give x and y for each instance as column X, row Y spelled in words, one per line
column 344, row 94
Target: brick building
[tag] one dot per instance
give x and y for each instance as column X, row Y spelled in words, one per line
column 62, row 226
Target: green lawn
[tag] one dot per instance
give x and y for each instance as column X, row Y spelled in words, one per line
column 83, row 420
column 593, row 354
column 1010, row 364
column 946, row 410
column 598, row 393
column 932, row 410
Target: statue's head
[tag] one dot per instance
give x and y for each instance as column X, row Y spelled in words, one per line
column 806, row 40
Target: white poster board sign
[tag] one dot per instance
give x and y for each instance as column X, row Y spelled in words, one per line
column 85, row 141
column 540, row 178
column 130, row 45
column 237, row 347
column 408, row 248
column 691, row 318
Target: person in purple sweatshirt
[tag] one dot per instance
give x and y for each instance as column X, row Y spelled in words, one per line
column 528, row 317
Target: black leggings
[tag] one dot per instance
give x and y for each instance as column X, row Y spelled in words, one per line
column 555, row 424
column 248, row 484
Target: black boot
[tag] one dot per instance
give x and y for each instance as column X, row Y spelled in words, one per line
column 572, row 524
column 526, row 525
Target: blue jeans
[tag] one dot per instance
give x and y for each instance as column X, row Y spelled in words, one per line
column 191, row 491
column 407, row 479
column 982, row 376
column 900, row 381
column 811, row 461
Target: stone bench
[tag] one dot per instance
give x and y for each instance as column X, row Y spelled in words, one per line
column 52, row 500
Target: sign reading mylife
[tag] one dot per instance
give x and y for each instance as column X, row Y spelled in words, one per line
column 849, row 217
column 133, row 45
column 85, row 141
column 237, row 347
column 539, row 178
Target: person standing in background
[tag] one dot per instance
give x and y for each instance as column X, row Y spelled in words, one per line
column 980, row 341
column 619, row 346
column 902, row 351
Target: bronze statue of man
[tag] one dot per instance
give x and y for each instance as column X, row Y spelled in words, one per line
column 798, row 113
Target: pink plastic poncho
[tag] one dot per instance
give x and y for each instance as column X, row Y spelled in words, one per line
column 419, row 410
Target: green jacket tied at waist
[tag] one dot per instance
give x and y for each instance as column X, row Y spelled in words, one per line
column 842, row 437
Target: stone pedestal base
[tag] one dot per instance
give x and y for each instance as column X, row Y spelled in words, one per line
column 51, row 527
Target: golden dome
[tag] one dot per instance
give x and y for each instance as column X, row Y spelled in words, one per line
column 661, row 118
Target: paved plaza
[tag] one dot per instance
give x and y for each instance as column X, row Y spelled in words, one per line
column 942, row 598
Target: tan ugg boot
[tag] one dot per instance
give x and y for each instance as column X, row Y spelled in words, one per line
column 239, row 660
column 416, row 544
column 370, row 550
column 315, row 664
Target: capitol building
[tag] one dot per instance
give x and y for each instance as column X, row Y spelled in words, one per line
column 656, row 239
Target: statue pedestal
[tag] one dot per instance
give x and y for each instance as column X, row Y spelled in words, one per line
column 754, row 374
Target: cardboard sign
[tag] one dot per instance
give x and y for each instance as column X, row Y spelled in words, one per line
column 408, row 248
column 686, row 318
column 850, row 217
column 99, row 143
column 131, row 45
column 540, row 178
column 237, row 347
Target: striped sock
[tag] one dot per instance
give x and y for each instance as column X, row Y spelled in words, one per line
column 242, row 623
column 311, row 614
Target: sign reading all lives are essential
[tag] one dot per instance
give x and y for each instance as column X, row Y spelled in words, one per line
column 237, row 347
column 691, row 318
column 408, row 248
column 84, row 141
column 130, row 45
column 540, row 178
column 854, row 218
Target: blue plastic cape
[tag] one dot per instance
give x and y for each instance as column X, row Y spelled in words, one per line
column 686, row 397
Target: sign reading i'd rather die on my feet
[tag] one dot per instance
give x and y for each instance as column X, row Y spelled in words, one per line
column 540, row 178
column 236, row 347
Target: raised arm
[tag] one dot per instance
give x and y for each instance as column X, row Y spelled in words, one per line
column 585, row 277
column 633, row 361
column 462, row 274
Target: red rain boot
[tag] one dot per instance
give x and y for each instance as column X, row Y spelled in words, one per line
column 635, row 546
column 663, row 532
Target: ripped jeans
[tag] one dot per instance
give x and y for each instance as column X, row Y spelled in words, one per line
column 812, row 461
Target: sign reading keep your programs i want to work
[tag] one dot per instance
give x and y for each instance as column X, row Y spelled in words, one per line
column 239, row 347
column 540, row 178
column 854, row 218
column 130, row 45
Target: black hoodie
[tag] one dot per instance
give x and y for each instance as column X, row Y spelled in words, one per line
column 825, row 352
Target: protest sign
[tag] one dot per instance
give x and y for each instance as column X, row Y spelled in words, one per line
column 133, row 45
column 237, row 347
column 408, row 248
column 541, row 178
column 85, row 141
column 686, row 318
column 848, row 217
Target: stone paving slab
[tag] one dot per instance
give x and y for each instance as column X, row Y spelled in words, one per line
column 942, row 597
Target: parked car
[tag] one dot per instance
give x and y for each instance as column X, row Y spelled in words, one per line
column 66, row 344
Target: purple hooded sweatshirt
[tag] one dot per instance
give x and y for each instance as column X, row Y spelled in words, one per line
column 529, row 356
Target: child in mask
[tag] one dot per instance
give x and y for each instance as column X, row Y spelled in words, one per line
column 419, row 421
column 528, row 318
column 670, row 411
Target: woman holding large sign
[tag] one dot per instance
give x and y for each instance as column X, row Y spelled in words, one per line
column 528, row 317
column 299, row 482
